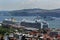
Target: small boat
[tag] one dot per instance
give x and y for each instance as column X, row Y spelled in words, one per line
column 48, row 18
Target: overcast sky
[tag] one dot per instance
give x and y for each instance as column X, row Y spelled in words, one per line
column 27, row 4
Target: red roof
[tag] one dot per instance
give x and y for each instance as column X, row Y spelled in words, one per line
column 58, row 35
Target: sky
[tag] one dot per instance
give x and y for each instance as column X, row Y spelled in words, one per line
column 29, row 4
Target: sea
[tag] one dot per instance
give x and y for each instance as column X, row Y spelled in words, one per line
column 52, row 23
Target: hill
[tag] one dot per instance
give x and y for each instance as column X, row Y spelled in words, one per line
column 32, row 12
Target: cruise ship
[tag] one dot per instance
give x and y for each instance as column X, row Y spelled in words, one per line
column 11, row 22
column 39, row 24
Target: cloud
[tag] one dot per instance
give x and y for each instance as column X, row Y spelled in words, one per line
column 26, row 4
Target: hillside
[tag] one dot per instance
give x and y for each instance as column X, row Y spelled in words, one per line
column 31, row 12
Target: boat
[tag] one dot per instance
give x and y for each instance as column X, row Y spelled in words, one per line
column 35, row 24
column 11, row 22
column 49, row 18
